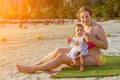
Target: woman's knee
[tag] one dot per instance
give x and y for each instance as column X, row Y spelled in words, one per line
column 59, row 50
column 64, row 59
column 61, row 56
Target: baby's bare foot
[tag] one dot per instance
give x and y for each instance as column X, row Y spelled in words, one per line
column 24, row 69
column 81, row 68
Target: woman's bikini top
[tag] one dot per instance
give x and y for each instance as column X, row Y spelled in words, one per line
column 91, row 44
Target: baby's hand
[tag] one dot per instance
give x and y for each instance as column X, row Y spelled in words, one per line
column 86, row 34
column 68, row 40
column 89, row 37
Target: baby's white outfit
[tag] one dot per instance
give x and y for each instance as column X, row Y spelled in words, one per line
column 82, row 47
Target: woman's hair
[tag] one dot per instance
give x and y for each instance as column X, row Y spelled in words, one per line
column 84, row 8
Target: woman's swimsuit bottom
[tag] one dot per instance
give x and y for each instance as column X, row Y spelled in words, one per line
column 90, row 46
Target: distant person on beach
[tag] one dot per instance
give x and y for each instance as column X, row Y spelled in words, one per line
column 96, row 41
column 79, row 45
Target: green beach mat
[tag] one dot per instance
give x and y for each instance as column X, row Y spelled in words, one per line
column 110, row 66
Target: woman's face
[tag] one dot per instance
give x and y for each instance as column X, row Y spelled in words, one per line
column 85, row 18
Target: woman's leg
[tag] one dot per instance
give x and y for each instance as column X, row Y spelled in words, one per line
column 55, row 62
column 90, row 61
column 53, row 55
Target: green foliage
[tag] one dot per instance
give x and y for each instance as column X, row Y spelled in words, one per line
column 112, row 9
column 103, row 9
column 66, row 12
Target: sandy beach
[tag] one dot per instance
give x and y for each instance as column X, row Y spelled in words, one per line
column 23, row 46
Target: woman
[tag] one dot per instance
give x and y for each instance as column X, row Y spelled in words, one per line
column 96, row 41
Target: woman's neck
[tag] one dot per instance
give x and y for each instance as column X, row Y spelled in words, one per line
column 88, row 26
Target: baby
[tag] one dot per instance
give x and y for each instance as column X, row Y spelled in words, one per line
column 79, row 45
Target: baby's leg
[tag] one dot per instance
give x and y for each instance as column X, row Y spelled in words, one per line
column 74, row 60
column 82, row 62
column 77, row 56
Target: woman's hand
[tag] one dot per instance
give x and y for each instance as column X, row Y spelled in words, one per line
column 68, row 40
column 99, row 39
column 88, row 37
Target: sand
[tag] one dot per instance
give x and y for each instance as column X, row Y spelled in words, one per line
column 23, row 46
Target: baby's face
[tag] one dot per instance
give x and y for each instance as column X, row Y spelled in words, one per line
column 79, row 30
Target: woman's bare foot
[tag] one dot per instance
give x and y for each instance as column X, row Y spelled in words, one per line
column 82, row 68
column 24, row 69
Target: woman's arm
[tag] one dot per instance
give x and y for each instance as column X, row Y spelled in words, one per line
column 100, row 39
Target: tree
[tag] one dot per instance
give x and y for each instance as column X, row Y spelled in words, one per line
column 98, row 7
column 112, row 9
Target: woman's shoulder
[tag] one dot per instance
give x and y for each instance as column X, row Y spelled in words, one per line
column 98, row 29
column 96, row 25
